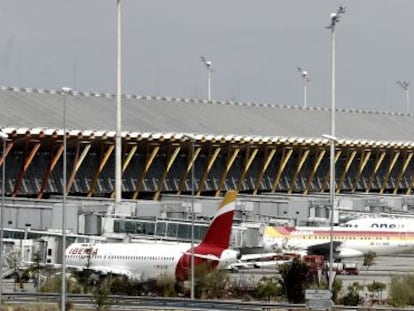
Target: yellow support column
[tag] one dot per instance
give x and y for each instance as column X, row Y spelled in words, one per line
column 285, row 159
column 266, row 163
column 126, row 162
column 166, row 171
column 346, row 169
column 187, row 171
column 246, row 167
column 100, row 169
column 208, row 168
column 374, row 172
column 315, row 167
column 390, row 168
column 299, row 167
column 148, row 164
column 229, row 164
column 326, row 178
column 365, row 155
column 407, row 161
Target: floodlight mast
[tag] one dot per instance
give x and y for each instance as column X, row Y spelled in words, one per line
column 208, row 64
column 305, row 77
column 335, row 18
column 405, row 85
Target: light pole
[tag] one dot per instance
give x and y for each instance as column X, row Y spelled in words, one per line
column 192, row 139
column 65, row 91
column 405, row 85
column 118, row 138
column 3, row 137
column 304, row 74
column 334, row 19
column 208, row 64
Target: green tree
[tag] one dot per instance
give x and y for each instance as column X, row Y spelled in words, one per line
column 336, row 288
column 369, row 259
column 267, row 288
column 35, row 269
column 101, row 293
column 295, row 278
column 352, row 297
column 84, row 276
column 377, row 288
column 15, row 259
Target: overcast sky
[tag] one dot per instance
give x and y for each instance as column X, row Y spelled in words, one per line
column 255, row 47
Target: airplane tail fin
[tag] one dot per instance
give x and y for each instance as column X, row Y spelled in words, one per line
column 219, row 231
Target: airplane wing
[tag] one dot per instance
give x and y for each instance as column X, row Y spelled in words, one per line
column 323, row 249
column 258, row 256
column 207, row 256
column 101, row 270
column 98, row 269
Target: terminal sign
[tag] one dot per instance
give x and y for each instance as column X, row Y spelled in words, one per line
column 318, row 294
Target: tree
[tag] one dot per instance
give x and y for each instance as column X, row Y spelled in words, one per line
column 376, row 288
column 336, row 288
column 84, row 276
column 15, row 265
column 101, row 293
column 369, row 259
column 352, row 297
column 35, row 269
column 295, row 279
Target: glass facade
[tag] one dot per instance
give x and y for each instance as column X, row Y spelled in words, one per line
column 161, row 229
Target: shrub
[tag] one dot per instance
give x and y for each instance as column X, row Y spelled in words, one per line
column 267, row 288
column 401, row 291
column 352, row 297
column 296, row 277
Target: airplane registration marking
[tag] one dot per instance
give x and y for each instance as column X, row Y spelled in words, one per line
column 84, row 251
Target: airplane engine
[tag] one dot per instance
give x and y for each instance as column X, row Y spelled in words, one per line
column 228, row 257
column 349, row 252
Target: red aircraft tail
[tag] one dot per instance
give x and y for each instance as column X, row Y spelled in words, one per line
column 218, row 234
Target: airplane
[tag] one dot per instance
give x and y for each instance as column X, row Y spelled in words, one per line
column 383, row 236
column 144, row 261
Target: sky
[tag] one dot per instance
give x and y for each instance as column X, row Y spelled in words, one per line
column 255, row 48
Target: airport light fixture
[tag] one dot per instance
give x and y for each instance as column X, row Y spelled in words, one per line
column 3, row 137
column 335, row 18
column 65, row 91
column 405, row 85
column 192, row 139
column 305, row 76
column 208, row 64
column 118, row 133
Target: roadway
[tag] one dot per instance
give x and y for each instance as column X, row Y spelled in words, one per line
column 382, row 270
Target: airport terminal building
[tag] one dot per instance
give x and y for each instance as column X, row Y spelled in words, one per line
column 275, row 156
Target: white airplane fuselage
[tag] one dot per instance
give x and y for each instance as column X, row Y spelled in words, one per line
column 351, row 242
column 139, row 261
column 143, row 261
